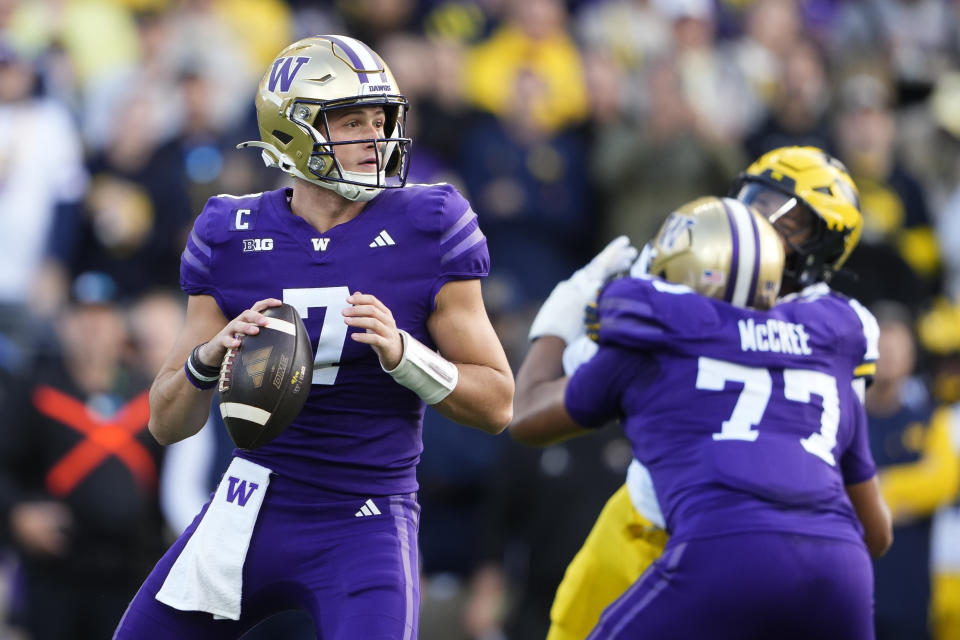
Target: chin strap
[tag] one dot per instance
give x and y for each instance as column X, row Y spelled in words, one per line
column 354, row 192
column 350, row 191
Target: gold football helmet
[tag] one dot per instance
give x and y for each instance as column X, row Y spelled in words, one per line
column 720, row 248
column 815, row 190
column 307, row 80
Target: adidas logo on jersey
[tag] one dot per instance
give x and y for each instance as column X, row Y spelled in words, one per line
column 383, row 239
column 368, row 509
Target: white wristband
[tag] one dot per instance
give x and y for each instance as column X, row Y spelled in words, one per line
column 424, row 371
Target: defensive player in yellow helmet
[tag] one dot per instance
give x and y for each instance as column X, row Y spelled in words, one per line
column 812, row 202
column 710, row 448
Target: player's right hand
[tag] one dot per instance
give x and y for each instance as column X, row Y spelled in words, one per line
column 248, row 323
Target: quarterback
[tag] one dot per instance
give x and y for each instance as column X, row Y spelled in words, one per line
column 386, row 277
column 812, row 202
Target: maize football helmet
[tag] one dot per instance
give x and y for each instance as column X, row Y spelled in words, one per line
column 807, row 181
column 720, row 248
column 304, row 83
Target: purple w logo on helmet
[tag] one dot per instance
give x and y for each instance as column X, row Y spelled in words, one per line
column 282, row 73
column 674, row 228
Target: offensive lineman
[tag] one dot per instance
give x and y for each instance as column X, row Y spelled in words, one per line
column 813, row 201
column 753, row 436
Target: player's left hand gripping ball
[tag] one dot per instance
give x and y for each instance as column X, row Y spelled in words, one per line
column 266, row 380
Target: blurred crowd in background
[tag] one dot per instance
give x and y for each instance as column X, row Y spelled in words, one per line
column 564, row 124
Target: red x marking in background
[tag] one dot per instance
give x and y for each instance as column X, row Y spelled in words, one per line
column 104, row 437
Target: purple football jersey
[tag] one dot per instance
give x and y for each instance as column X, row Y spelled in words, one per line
column 746, row 420
column 755, row 585
column 360, row 431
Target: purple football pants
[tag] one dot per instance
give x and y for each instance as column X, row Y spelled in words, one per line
column 357, row 576
column 750, row 586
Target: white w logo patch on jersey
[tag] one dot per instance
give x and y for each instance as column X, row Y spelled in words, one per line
column 383, row 239
column 320, row 244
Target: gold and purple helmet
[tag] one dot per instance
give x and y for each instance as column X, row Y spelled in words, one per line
column 721, row 248
column 307, row 80
column 807, row 184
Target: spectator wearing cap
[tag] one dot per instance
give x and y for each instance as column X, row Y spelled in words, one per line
column 939, row 332
column 919, row 473
column 798, row 109
column 944, row 103
column 896, row 217
column 533, row 40
column 78, row 475
column 719, row 95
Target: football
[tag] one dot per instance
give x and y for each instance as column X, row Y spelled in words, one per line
column 265, row 381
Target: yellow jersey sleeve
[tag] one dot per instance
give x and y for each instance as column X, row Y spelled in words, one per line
column 919, row 488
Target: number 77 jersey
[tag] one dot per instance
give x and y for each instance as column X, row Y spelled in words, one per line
column 359, row 431
column 746, row 420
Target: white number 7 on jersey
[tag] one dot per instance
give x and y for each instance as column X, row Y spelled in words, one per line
column 798, row 385
column 333, row 334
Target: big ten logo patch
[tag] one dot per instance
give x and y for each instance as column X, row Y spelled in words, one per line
column 257, row 244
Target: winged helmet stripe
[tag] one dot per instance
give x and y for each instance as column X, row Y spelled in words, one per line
column 747, row 260
column 735, row 257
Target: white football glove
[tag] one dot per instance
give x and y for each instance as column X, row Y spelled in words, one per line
column 562, row 312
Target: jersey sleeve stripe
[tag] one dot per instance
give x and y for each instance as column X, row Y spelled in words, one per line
column 471, row 241
column 467, row 217
column 622, row 305
column 194, row 262
column 202, row 246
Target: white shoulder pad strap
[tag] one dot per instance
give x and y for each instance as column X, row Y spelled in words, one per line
column 577, row 353
column 642, row 494
column 871, row 330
